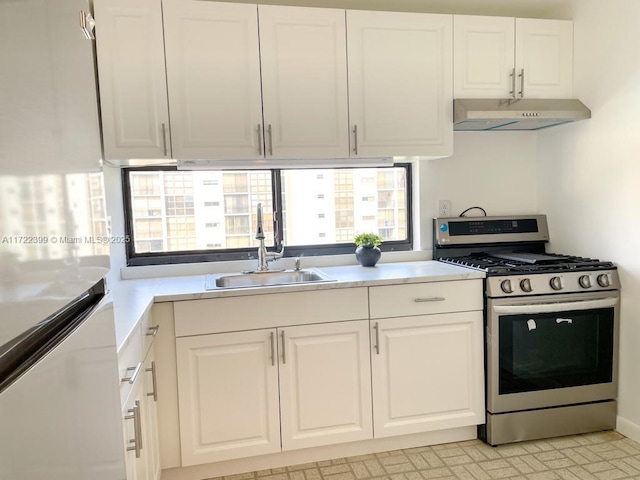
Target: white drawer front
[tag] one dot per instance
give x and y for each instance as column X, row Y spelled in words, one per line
column 217, row 315
column 425, row 298
column 130, row 363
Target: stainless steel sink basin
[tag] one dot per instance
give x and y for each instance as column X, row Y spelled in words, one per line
column 265, row 279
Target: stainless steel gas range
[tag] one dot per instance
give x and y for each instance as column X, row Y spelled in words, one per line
column 551, row 328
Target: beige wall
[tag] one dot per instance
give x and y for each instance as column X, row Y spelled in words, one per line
column 589, row 173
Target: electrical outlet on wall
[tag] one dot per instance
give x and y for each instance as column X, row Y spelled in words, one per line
column 444, row 208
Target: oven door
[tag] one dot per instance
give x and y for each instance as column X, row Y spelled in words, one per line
column 551, row 350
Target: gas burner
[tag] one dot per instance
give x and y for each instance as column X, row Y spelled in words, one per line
column 509, row 264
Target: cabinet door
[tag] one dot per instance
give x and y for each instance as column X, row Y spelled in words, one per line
column 483, row 55
column 228, row 396
column 213, row 76
column 400, row 83
column 427, row 373
column 544, row 52
column 325, row 384
column 304, row 81
column 131, row 71
column 152, row 444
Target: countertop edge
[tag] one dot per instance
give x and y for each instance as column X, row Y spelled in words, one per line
column 132, row 298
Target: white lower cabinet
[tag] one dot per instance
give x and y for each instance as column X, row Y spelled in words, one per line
column 325, row 384
column 231, row 405
column 427, row 373
column 228, row 396
column 139, row 395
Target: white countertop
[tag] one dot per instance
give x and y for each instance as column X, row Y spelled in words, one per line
column 132, row 298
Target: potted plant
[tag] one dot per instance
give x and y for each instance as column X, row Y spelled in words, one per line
column 367, row 251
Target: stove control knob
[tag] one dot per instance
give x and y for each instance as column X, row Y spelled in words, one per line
column 585, row 281
column 603, row 280
column 525, row 285
column 556, row 283
column 506, row 287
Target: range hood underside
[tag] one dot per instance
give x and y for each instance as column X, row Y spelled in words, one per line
column 524, row 114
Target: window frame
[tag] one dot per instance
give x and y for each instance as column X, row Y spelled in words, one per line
column 246, row 253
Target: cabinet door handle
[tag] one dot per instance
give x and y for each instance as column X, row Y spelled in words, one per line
column 513, row 83
column 284, row 357
column 521, row 83
column 430, row 299
column 136, row 441
column 355, row 139
column 164, row 139
column 259, row 139
column 87, row 24
column 132, row 378
column 153, row 331
column 154, row 382
column 273, row 349
column 270, row 135
column 376, row 345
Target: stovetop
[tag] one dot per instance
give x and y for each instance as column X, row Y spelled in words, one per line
column 524, row 263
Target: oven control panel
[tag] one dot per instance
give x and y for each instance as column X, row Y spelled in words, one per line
column 550, row 283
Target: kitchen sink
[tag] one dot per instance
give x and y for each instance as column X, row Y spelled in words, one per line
column 265, row 279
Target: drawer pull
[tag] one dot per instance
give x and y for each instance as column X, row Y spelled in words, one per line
column 153, row 331
column 376, row 347
column 430, row 299
column 136, row 441
column 154, row 381
column 132, row 378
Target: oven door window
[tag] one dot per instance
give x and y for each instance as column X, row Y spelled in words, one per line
column 546, row 351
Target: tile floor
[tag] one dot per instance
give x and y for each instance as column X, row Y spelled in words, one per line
column 594, row 456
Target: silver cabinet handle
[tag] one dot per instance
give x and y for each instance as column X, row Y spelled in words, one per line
column 270, row 135
column 153, row 331
column 355, row 139
column 284, row 357
column 259, row 139
column 521, row 83
column 164, row 139
column 273, row 349
column 513, row 83
column 87, row 24
column 132, row 378
column 376, row 346
column 136, row 441
column 430, row 299
column 154, row 382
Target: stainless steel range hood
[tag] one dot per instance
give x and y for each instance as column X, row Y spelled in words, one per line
column 524, row 114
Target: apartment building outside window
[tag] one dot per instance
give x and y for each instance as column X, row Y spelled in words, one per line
column 185, row 216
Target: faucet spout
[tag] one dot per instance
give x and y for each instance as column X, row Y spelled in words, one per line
column 259, row 228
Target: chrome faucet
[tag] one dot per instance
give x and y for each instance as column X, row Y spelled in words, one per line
column 264, row 257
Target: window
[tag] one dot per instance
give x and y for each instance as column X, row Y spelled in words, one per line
column 170, row 219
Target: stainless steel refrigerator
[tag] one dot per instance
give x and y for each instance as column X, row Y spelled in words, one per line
column 59, row 395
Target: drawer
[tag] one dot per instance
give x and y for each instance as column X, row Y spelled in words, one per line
column 425, row 298
column 149, row 330
column 130, row 364
column 250, row 312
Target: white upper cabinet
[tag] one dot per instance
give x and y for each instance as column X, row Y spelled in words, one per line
column 131, row 72
column 304, row 82
column 400, row 83
column 502, row 57
column 544, row 58
column 213, row 77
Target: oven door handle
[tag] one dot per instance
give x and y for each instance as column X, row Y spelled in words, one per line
column 556, row 307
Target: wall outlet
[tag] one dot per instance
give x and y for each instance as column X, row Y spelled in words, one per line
column 444, row 208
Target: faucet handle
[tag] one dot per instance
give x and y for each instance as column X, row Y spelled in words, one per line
column 296, row 264
column 271, row 256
